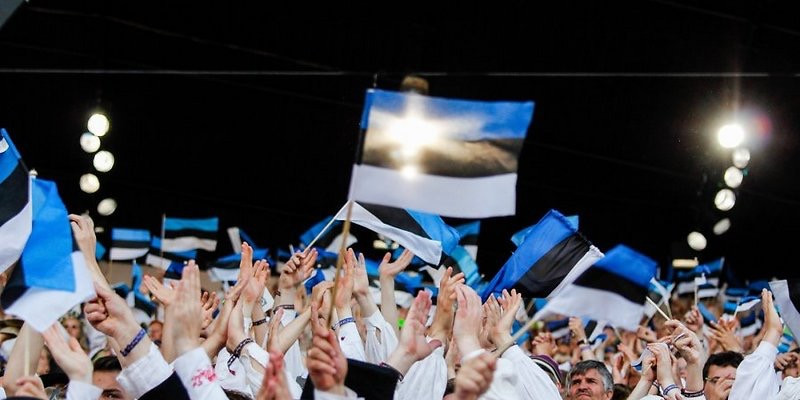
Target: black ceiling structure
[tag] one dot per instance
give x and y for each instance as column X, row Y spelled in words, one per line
column 250, row 111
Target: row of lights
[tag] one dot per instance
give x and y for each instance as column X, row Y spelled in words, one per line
column 730, row 136
column 98, row 125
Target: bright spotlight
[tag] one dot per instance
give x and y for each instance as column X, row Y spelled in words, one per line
column 741, row 157
column 733, row 177
column 413, row 133
column 730, row 136
column 98, row 124
column 725, row 199
column 89, row 183
column 409, row 171
column 107, row 206
column 90, row 143
column 103, row 161
column 696, row 241
column 722, row 226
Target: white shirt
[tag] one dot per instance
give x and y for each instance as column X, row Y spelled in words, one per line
column 426, row 379
column 755, row 376
column 350, row 342
column 144, row 374
column 504, row 382
column 83, row 391
column 377, row 348
column 198, row 377
column 532, row 381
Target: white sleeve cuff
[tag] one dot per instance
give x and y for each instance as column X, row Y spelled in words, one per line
column 348, row 394
column 78, row 390
column 144, row 374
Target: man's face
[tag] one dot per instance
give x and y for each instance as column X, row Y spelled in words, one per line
column 719, row 382
column 588, row 387
column 155, row 331
column 107, row 380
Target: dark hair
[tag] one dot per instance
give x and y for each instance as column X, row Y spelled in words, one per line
column 723, row 359
column 621, row 392
column 582, row 367
column 451, row 386
column 234, row 395
column 107, row 363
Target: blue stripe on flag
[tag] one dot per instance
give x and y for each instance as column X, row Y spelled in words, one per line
column 155, row 243
column 206, row 224
column 436, row 229
column 47, row 258
column 472, row 228
column 629, row 264
column 314, row 280
column 133, row 235
column 708, row 316
column 99, row 251
column 9, row 158
column 315, row 229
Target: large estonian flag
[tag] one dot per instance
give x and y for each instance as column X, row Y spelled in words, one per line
column 51, row 276
column 15, row 203
column 787, row 298
column 425, row 235
column 419, row 151
column 612, row 290
column 129, row 244
column 183, row 234
column 162, row 259
column 553, row 254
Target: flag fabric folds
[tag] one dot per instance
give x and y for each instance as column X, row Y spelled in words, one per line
column 612, row 290
column 51, row 276
column 425, row 235
column 787, row 298
column 183, row 234
column 157, row 258
column 419, row 151
column 553, row 254
column 519, row 237
column 129, row 244
column 15, row 207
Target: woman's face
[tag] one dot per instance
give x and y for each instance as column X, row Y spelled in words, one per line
column 73, row 327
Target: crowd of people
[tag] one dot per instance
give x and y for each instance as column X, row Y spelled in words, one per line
column 338, row 343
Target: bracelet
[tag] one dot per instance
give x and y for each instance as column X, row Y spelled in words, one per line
column 693, row 394
column 260, row 322
column 285, row 306
column 342, row 322
column 399, row 375
column 237, row 352
column 138, row 338
column 668, row 388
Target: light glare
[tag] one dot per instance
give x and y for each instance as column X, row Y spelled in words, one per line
column 722, row 226
column 730, row 136
column 741, row 157
column 107, row 206
column 696, row 241
column 725, row 199
column 89, row 183
column 90, row 143
column 103, row 161
column 98, row 124
column 733, row 177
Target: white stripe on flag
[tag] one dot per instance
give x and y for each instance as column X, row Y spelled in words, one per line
column 747, row 306
column 42, row 307
column 790, row 315
column 14, row 234
column 119, row 253
column 592, row 256
column 187, row 243
column 157, row 261
column 707, row 292
column 223, row 274
column 480, row 197
column 560, row 332
column 600, row 305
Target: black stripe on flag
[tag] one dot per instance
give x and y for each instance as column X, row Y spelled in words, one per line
column 15, row 193
column 129, row 244
column 200, row 234
column 599, row 278
column 396, row 217
column 548, row 272
column 166, row 255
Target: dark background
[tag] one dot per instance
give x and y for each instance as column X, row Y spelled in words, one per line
column 629, row 96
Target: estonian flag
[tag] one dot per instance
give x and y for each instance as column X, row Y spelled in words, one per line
column 519, row 237
column 612, row 290
column 747, row 303
column 51, row 276
column 469, row 237
column 711, row 271
column 419, row 151
column 129, row 244
column 142, row 306
column 749, row 325
column 183, row 234
column 462, row 257
column 425, row 235
column 787, row 298
column 15, row 206
column 156, row 259
column 660, row 295
column 558, row 328
column 226, row 269
column 553, row 254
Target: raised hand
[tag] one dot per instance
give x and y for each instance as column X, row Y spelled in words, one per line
column 468, row 319
column 30, row 387
column 360, row 278
column 785, row 360
column 412, row 345
column 256, row 284
column 297, row 269
column 663, row 363
column 110, row 314
column 443, row 318
column 475, row 377
column 544, row 344
column 183, row 319
column 391, row 269
column 686, row 342
column 619, row 369
column 164, row 295
column 344, row 289
column 68, row 355
column 725, row 336
column 694, row 320
column 773, row 328
column 510, row 303
column 327, row 366
column 83, row 230
column 210, row 304
column 646, row 334
column 274, row 385
column 273, row 344
column 576, row 327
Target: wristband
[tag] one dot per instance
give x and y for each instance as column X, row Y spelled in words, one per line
column 693, row 394
column 285, row 306
column 342, row 322
column 260, row 322
column 669, row 388
column 237, row 352
column 138, row 338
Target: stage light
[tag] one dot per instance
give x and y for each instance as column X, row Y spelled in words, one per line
column 696, row 241
column 90, row 143
column 725, row 199
column 722, row 226
column 89, row 183
column 107, row 206
column 733, row 177
column 103, row 161
column 730, row 136
column 741, row 157
column 98, row 124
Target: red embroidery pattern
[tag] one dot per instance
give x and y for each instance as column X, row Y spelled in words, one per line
column 203, row 376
